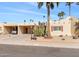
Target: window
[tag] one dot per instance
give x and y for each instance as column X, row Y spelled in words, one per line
column 57, row 28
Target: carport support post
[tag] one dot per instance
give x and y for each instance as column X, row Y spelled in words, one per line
column 4, row 30
column 31, row 32
column 19, row 30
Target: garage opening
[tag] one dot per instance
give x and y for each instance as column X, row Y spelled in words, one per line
column 11, row 29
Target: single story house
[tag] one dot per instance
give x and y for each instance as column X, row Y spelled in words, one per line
column 64, row 27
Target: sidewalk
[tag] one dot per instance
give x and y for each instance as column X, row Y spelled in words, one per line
column 68, row 43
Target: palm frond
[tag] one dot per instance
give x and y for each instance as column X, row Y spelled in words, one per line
column 68, row 3
column 47, row 4
column 62, row 12
column 59, row 14
column 40, row 4
column 57, row 3
column 52, row 5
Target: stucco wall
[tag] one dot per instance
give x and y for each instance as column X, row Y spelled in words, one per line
column 1, row 29
column 65, row 23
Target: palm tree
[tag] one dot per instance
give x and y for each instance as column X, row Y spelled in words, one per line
column 31, row 27
column 24, row 21
column 5, row 22
column 69, row 4
column 39, row 23
column 31, row 20
column 61, row 15
column 44, row 26
column 49, row 5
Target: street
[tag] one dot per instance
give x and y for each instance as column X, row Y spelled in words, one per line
column 35, row 51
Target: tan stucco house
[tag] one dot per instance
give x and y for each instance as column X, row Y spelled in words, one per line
column 64, row 27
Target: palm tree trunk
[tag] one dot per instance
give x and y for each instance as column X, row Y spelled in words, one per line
column 62, row 17
column 70, row 10
column 48, row 15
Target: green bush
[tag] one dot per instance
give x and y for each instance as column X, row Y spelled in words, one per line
column 39, row 32
column 35, row 32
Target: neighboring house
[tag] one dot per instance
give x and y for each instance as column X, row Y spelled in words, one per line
column 63, row 27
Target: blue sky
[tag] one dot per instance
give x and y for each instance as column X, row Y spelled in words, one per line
column 16, row 12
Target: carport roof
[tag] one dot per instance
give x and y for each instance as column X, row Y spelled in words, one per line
column 30, row 24
column 27, row 24
column 10, row 25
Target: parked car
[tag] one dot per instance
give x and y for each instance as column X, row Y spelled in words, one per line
column 13, row 32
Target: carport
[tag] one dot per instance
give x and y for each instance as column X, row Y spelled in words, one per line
column 25, row 29
column 10, row 29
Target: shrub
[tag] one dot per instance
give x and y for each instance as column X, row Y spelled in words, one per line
column 38, row 32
